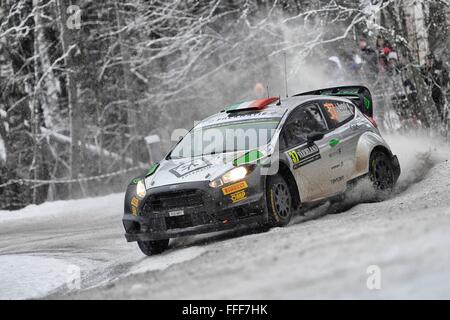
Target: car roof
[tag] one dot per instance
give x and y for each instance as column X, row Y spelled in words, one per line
column 270, row 112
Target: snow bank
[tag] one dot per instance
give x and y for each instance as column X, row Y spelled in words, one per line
column 60, row 208
column 26, row 277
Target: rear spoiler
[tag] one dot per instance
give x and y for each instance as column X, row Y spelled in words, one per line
column 359, row 95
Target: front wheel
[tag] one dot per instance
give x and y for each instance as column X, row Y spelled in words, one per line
column 279, row 201
column 381, row 174
column 150, row 248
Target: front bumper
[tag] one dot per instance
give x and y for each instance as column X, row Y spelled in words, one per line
column 205, row 210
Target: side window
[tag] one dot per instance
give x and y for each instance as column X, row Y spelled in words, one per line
column 338, row 112
column 303, row 121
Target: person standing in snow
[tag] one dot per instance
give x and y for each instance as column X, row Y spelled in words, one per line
column 403, row 86
column 335, row 71
column 383, row 48
column 437, row 78
column 402, row 90
column 369, row 57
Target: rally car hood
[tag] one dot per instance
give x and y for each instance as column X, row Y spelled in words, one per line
column 202, row 168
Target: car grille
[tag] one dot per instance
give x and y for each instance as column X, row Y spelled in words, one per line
column 174, row 199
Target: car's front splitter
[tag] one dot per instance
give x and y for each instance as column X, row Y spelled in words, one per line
column 189, row 231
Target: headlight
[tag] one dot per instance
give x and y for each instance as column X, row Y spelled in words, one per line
column 233, row 175
column 140, row 189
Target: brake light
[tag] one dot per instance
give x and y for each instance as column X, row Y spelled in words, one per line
column 372, row 121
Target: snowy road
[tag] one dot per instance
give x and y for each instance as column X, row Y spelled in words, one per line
column 407, row 237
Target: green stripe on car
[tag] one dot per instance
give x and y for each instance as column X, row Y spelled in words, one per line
column 248, row 157
column 152, row 169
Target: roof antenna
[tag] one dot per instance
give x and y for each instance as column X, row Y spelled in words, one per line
column 285, row 74
column 279, row 101
column 267, row 86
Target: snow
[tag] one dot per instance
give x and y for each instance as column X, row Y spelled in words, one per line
column 86, row 233
column 26, row 277
column 67, row 208
column 317, row 256
column 159, row 263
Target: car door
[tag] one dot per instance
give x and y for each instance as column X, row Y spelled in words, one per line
column 341, row 119
column 309, row 161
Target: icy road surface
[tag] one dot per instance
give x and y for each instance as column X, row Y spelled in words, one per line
column 321, row 256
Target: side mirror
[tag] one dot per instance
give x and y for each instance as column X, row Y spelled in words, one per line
column 315, row 136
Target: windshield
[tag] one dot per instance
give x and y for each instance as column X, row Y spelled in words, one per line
column 230, row 137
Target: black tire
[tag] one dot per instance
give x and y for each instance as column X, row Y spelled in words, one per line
column 279, row 202
column 381, row 174
column 150, row 248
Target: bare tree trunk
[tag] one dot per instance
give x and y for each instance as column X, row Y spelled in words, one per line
column 416, row 28
column 75, row 112
column 128, row 80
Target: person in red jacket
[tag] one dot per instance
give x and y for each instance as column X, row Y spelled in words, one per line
column 383, row 50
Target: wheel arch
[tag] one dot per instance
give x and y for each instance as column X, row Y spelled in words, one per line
column 382, row 149
column 285, row 172
column 368, row 143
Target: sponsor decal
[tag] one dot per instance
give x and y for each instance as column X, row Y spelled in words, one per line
column 235, row 187
column 272, row 115
column 304, row 155
column 238, row 196
column 334, row 142
column 134, row 204
column 336, row 166
column 274, row 210
column 134, row 201
column 189, row 167
column 336, row 180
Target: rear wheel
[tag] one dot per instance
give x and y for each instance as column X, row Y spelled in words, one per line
column 279, row 201
column 381, row 174
column 150, row 248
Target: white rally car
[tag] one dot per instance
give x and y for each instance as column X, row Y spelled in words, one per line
column 269, row 159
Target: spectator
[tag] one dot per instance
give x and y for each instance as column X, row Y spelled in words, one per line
column 383, row 48
column 369, row 56
column 334, row 70
column 352, row 65
column 437, row 78
column 402, row 86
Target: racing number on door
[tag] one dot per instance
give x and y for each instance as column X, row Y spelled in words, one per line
column 304, row 155
column 294, row 156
